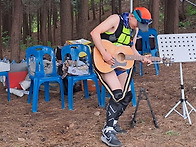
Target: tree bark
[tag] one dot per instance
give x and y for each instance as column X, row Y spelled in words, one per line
column 171, row 16
column 38, row 26
column 135, row 4
column 7, row 18
column 119, row 7
column 100, row 10
column 50, row 21
column 182, row 15
column 83, row 19
column 93, row 9
column 1, row 53
column 66, row 20
column 16, row 30
column 25, row 27
column 155, row 14
column 113, row 4
column 54, row 17
column 43, row 23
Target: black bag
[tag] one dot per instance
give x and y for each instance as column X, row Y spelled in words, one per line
column 77, row 86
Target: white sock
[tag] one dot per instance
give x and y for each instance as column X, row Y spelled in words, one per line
column 115, row 122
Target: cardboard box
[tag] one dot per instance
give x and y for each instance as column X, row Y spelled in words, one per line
column 91, row 85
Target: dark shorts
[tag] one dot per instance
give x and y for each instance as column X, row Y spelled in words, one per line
column 118, row 72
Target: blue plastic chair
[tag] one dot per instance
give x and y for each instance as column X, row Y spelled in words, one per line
column 103, row 92
column 74, row 51
column 38, row 54
column 147, row 49
column 5, row 73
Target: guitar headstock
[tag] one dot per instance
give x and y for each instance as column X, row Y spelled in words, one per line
column 167, row 61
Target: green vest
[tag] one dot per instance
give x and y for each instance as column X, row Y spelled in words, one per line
column 121, row 36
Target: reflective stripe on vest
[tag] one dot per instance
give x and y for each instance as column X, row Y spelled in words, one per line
column 124, row 38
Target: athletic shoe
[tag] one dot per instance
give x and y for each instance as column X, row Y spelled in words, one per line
column 109, row 137
column 118, row 129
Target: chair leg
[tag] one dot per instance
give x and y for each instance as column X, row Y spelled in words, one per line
column 30, row 92
column 70, row 93
column 103, row 95
column 156, row 66
column 62, row 94
column 35, row 95
column 46, row 91
column 141, row 68
column 98, row 93
column 133, row 93
column 8, row 87
column 86, row 89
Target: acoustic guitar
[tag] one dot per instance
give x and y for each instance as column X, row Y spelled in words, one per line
column 123, row 56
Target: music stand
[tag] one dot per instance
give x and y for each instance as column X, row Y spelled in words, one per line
column 179, row 48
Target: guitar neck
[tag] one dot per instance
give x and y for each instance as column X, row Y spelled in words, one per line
column 134, row 57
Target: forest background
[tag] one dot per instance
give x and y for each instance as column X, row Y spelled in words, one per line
column 26, row 23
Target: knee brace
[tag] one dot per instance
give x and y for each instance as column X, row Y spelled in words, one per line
column 113, row 108
column 124, row 103
column 127, row 99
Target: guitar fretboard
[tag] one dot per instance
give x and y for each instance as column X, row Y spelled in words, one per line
column 134, row 57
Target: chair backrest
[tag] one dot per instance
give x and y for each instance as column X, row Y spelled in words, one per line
column 74, row 51
column 38, row 54
column 146, row 36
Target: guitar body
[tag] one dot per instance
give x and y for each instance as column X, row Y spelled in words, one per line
column 119, row 53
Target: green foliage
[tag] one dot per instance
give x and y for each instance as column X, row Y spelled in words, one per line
column 161, row 17
column 49, row 43
column 30, row 42
column 191, row 10
column 107, row 7
column 185, row 24
column 5, row 39
column 172, row 133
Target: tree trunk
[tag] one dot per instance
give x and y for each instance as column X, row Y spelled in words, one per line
column 100, row 11
column 38, row 26
column 43, row 23
column 171, row 16
column 155, row 14
column 1, row 54
column 25, row 27
column 30, row 25
column 83, row 19
column 93, row 9
column 66, row 20
column 102, row 7
column 113, row 4
column 50, row 21
column 182, row 15
column 7, row 18
column 135, row 4
column 54, row 22
column 16, row 30
column 119, row 5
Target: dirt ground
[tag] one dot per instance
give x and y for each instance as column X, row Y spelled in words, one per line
column 52, row 126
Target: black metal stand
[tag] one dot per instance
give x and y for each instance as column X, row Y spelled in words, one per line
column 143, row 92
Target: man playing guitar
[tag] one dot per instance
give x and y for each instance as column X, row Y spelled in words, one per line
column 120, row 30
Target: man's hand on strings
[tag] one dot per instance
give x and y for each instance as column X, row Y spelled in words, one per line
column 147, row 60
column 108, row 58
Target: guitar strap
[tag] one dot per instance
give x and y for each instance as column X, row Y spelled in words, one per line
column 126, row 86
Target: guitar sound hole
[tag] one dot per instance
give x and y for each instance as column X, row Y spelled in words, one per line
column 121, row 57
